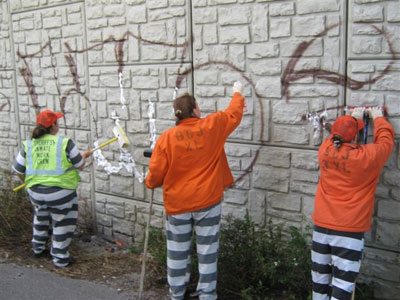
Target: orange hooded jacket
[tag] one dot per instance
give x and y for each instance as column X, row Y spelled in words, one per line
column 189, row 160
column 349, row 175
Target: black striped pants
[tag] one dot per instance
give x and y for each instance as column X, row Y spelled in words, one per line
column 61, row 206
column 336, row 259
column 206, row 223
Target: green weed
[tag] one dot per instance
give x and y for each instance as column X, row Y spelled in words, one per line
column 15, row 213
column 256, row 263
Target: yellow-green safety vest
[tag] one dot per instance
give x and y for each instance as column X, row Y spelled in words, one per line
column 47, row 163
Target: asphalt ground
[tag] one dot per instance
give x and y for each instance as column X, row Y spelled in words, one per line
column 24, row 283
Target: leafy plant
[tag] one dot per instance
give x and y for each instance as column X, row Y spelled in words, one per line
column 365, row 291
column 254, row 263
column 257, row 263
column 158, row 247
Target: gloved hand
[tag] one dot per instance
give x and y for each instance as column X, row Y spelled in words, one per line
column 237, row 87
column 358, row 112
column 375, row 112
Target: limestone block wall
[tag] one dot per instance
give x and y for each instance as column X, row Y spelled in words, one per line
column 98, row 60
column 369, row 54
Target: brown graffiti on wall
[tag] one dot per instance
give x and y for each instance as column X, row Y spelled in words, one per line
column 28, row 77
column 119, row 56
column 119, row 46
column 290, row 75
column 2, row 106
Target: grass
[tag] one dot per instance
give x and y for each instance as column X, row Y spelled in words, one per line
column 15, row 213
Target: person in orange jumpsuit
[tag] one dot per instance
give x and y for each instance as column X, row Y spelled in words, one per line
column 189, row 161
column 344, row 201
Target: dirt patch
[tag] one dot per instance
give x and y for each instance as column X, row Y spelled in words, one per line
column 98, row 260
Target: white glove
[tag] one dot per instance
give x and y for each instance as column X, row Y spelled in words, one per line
column 358, row 112
column 237, row 87
column 375, row 112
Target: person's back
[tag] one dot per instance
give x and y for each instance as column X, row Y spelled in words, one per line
column 48, row 164
column 190, row 160
column 349, row 175
column 344, row 202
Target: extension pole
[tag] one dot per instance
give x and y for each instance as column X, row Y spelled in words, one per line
column 146, row 241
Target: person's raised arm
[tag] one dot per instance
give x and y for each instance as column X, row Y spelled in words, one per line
column 383, row 135
column 234, row 112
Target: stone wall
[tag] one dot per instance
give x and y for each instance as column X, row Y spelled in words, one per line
column 67, row 55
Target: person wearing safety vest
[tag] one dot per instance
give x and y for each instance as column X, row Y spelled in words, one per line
column 49, row 166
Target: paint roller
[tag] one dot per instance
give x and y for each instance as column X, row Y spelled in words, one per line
column 120, row 136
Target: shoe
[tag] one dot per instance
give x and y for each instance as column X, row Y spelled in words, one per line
column 70, row 262
column 194, row 295
column 41, row 254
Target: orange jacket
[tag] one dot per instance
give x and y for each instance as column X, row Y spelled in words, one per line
column 189, row 160
column 347, row 184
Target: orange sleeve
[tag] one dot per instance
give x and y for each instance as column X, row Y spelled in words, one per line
column 158, row 166
column 378, row 152
column 383, row 137
column 230, row 118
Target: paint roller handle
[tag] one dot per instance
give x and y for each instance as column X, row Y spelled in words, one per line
column 104, row 144
column 19, row 187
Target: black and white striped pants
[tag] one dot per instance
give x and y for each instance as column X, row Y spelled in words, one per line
column 206, row 223
column 61, row 207
column 336, row 259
